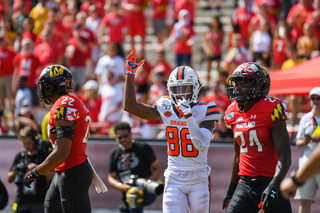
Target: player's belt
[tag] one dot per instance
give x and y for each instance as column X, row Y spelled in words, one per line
column 256, row 180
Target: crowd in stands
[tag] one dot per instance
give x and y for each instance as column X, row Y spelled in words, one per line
column 88, row 37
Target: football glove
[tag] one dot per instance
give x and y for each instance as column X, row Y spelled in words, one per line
column 269, row 196
column 131, row 66
column 184, row 107
column 226, row 200
column 30, row 176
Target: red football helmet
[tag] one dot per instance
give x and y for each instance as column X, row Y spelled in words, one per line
column 260, row 82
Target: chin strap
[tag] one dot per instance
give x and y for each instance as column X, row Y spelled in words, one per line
column 200, row 137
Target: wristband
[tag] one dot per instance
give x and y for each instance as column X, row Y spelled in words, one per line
column 130, row 72
column 293, row 178
column 36, row 172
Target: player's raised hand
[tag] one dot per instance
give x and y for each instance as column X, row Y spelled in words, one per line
column 131, row 66
column 184, row 107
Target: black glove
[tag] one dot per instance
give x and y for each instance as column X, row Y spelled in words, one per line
column 231, row 188
column 30, row 176
column 269, row 196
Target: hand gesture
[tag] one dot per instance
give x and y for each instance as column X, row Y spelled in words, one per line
column 184, row 107
column 269, row 197
column 131, row 66
column 30, row 176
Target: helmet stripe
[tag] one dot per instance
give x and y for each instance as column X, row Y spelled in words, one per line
column 180, row 73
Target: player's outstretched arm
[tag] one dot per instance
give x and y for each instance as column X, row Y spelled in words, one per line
column 130, row 103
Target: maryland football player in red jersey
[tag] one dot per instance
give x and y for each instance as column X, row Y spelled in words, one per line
column 261, row 143
column 68, row 130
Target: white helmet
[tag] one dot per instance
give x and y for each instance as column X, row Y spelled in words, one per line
column 184, row 81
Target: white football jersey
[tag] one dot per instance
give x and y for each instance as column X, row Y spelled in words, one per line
column 185, row 162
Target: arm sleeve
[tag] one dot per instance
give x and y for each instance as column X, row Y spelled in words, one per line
column 200, row 137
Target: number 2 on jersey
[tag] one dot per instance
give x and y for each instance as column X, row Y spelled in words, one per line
column 88, row 121
column 187, row 149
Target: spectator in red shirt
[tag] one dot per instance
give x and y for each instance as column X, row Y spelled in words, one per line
column 241, row 20
column 99, row 4
column 28, row 24
column 297, row 17
column 158, row 87
column 162, row 66
column 45, row 52
column 26, row 3
column 115, row 25
column 218, row 97
column 136, row 19
column 313, row 19
column 273, row 8
column 70, row 18
column 262, row 15
column 55, row 17
column 189, row 5
column 159, row 13
column 212, row 45
column 280, row 43
column 26, row 65
column 56, row 40
column 7, row 55
column 77, row 55
column 90, row 38
column 92, row 101
column 183, row 36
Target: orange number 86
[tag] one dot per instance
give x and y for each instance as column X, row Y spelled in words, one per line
column 187, row 149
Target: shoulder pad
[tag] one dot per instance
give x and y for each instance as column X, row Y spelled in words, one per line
column 212, row 109
column 164, row 102
column 66, row 113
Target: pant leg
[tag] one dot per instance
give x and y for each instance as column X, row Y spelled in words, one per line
column 174, row 200
column 52, row 199
column 73, row 188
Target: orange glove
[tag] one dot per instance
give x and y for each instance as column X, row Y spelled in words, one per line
column 131, row 66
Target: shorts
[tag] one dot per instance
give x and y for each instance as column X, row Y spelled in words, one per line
column 158, row 26
column 35, row 100
column 308, row 190
column 137, row 27
column 5, row 86
column 247, row 195
column 213, row 58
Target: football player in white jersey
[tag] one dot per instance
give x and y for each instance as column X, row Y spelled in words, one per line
column 189, row 124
